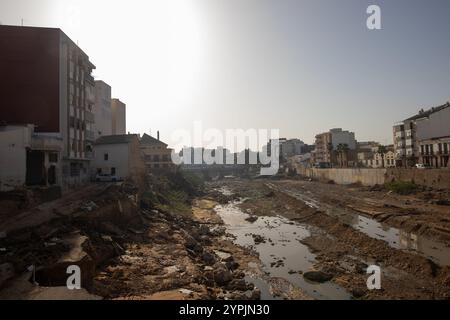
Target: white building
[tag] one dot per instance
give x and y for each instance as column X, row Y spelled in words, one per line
column 102, row 110
column 29, row 158
column 339, row 136
column 118, row 110
column 119, row 155
column 423, row 138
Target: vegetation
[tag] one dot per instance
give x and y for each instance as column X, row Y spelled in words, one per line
column 401, row 187
column 173, row 191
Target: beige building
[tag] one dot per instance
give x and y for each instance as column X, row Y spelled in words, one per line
column 118, row 120
column 102, row 110
column 156, row 154
column 323, row 150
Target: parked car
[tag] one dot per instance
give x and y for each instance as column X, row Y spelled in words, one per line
column 104, row 177
column 422, row 166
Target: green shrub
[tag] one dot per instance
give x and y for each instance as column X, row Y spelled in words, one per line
column 401, row 187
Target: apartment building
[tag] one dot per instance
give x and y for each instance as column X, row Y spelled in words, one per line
column 433, row 135
column 102, row 110
column 46, row 81
column 156, row 154
column 423, row 138
column 336, row 147
column 118, row 119
column 323, row 150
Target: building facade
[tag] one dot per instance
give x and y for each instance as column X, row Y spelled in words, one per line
column 46, row 81
column 29, row 158
column 417, row 139
column 119, row 155
column 118, row 119
column 156, row 154
column 102, row 110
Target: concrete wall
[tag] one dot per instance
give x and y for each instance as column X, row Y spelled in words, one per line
column 367, row 177
column 13, row 159
column 433, row 178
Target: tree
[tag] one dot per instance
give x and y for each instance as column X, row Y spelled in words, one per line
column 382, row 151
column 342, row 151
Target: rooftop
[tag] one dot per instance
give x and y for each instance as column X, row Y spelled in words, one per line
column 147, row 139
column 427, row 113
column 116, row 139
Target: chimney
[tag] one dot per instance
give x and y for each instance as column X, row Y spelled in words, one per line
column 157, row 134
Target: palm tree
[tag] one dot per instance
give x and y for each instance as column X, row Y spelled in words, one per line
column 382, row 151
column 342, row 150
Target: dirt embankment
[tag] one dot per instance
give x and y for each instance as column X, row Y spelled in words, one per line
column 345, row 253
column 123, row 251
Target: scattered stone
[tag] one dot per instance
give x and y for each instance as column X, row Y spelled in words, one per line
column 251, row 219
column 208, row 258
column 258, row 239
column 317, row 276
column 224, row 256
column 221, row 274
column 358, row 292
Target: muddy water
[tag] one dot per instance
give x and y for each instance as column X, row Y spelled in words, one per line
column 282, row 255
column 396, row 238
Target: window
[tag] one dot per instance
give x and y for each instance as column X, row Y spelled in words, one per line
column 99, row 170
column 113, row 171
column 105, row 157
column 53, row 157
column 74, row 170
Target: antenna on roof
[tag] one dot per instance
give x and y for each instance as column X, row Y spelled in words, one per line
column 22, row 22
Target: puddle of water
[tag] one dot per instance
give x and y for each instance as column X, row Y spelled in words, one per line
column 282, row 254
column 396, row 238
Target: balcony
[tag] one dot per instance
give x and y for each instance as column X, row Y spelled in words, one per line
column 90, row 79
column 89, row 135
column 89, row 116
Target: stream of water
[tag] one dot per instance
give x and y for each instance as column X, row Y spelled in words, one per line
column 282, row 255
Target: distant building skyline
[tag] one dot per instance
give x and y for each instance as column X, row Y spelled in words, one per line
column 301, row 66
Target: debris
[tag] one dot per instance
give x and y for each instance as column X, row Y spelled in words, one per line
column 89, row 206
column 224, row 256
column 6, row 272
column 186, row 291
column 171, row 269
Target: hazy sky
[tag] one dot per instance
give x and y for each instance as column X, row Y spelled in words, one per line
column 301, row 66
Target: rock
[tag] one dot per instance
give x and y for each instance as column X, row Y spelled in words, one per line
column 317, row 276
column 258, row 239
column 232, row 265
column 193, row 245
column 251, row 219
column 358, row 292
column 203, row 230
column 221, row 274
column 224, row 256
column 208, row 258
column 171, row 269
column 256, row 294
column 237, row 284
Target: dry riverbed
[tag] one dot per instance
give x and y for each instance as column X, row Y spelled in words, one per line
column 337, row 245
